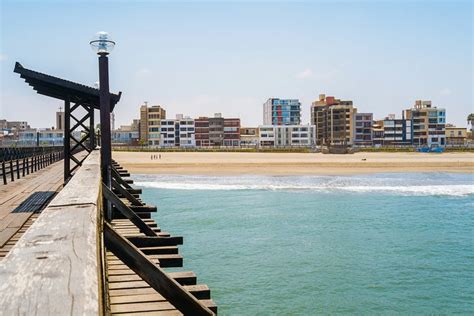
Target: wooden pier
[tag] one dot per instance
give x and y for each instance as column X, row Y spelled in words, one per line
column 21, row 201
column 94, row 248
column 73, row 261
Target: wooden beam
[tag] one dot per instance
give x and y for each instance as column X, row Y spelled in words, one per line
column 152, row 274
column 125, row 193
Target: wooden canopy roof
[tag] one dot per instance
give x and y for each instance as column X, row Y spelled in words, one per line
column 63, row 89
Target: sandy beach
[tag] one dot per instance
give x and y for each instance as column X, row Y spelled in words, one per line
column 224, row 163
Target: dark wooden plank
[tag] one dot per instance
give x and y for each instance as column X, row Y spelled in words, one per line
column 200, row 291
column 147, row 241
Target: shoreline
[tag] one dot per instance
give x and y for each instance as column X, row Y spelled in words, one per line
column 279, row 164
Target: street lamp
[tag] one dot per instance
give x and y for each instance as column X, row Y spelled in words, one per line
column 103, row 45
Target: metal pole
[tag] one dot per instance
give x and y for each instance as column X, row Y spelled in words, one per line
column 105, row 141
column 91, row 128
column 67, row 139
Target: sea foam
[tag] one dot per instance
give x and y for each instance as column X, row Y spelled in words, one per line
column 399, row 184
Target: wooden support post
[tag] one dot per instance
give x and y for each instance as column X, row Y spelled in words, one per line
column 17, row 169
column 23, row 168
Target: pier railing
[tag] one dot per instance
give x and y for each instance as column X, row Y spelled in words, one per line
column 19, row 162
column 54, row 267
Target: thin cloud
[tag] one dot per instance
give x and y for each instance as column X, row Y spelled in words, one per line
column 445, row 92
column 307, row 73
column 3, row 57
column 143, row 72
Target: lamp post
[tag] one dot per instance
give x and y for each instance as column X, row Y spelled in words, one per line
column 103, row 45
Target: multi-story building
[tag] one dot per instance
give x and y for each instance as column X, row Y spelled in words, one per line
column 42, row 137
column 282, row 112
column 455, row 136
column 428, row 124
column 334, row 121
column 127, row 134
column 12, row 128
column 249, row 137
column 231, row 132
column 202, row 132
column 217, row 131
column 377, row 133
column 397, row 132
column 179, row 132
column 363, row 129
column 150, row 123
column 287, row 135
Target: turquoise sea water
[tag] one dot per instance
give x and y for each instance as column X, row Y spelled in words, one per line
column 377, row 244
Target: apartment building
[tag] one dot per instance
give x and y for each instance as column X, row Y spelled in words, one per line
column 217, row 131
column 127, row 134
column 377, row 133
column 232, row 132
column 428, row 124
column 455, row 136
column 150, row 123
column 282, row 112
column 13, row 127
column 249, row 137
column 42, row 137
column 202, row 132
column 178, row 132
column 363, row 135
column 287, row 135
column 397, row 132
column 334, row 121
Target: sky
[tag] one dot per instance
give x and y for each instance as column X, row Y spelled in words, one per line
column 201, row 58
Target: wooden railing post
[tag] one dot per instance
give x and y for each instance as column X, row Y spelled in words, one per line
column 12, row 175
column 17, row 169
column 4, row 173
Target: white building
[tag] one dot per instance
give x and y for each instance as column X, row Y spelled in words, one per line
column 179, row 132
column 43, row 137
column 287, row 136
column 396, row 131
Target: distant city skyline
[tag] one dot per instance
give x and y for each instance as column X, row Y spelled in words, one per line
column 202, row 58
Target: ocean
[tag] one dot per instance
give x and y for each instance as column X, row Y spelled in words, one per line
column 306, row 245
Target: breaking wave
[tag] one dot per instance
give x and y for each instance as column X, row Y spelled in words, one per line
column 399, row 184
